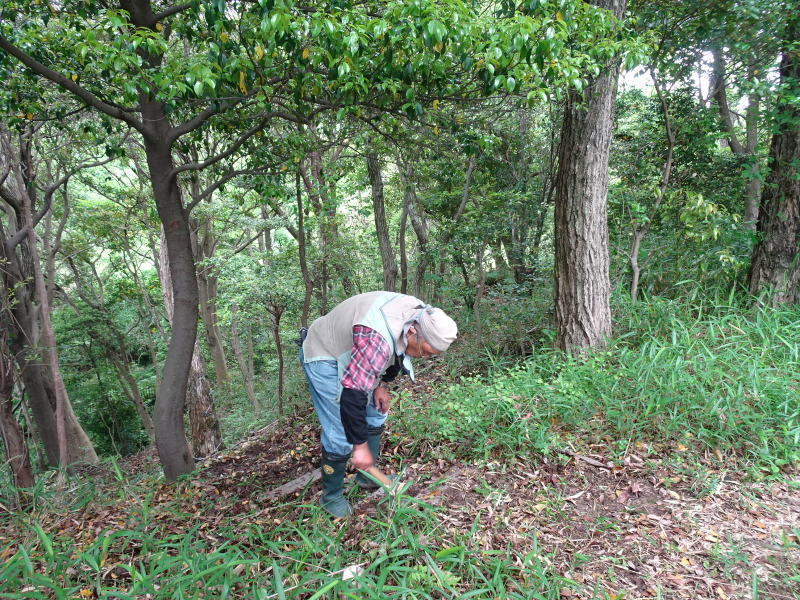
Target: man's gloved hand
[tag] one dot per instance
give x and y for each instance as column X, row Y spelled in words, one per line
column 362, row 457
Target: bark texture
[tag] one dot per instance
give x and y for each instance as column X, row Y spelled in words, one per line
column 17, row 455
column 381, row 229
column 775, row 265
column 582, row 286
column 206, row 436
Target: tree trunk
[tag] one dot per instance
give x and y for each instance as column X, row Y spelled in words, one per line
column 582, row 287
column 479, row 291
column 276, row 312
column 775, row 263
column 301, row 251
column 244, row 367
column 450, row 231
column 381, row 229
column 401, row 242
column 131, row 388
column 206, row 434
column 207, row 281
column 206, row 437
column 420, row 226
column 640, row 230
column 207, row 287
column 746, row 151
column 16, row 450
column 80, row 448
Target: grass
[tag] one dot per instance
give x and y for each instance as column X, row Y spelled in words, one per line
column 408, row 556
column 718, row 377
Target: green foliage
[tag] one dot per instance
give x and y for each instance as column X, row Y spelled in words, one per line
column 409, row 555
column 714, row 376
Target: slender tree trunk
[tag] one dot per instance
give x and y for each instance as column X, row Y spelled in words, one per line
column 640, row 230
column 301, row 250
column 420, row 226
column 582, row 287
column 381, row 229
column 401, row 242
column 81, row 450
column 746, row 151
column 247, row 373
column 207, row 280
column 206, row 437
column 131, row 388
column 448, row 234
column 775, row 263
column 276, row 312
column 481, row 287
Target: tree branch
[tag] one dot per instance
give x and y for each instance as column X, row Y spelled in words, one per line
column 69, row 85
column 171, row 11
column 217, row 184
column 238, row 143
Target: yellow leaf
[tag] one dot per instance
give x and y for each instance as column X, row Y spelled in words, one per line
column 435, row 104
column 259, row 53
column 159, row 27
column 74, row 77
column 436, row 130
column 223, row 36
column 681, row 448
column 438, row 47
column 559, row 17
column 86, row 593
column 29, row 116
column 242, row 85
column 306, row 53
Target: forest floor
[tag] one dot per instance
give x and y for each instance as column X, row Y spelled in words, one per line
column 644, row 527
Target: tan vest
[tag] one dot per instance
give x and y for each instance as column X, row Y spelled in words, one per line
column 331, row 336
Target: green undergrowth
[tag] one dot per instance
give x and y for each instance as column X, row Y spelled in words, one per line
column 403, row 552
column 720, row 377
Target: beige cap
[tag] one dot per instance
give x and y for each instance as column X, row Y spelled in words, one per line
column 437, row 328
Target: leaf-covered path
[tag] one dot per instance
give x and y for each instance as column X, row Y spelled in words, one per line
column 639, row 529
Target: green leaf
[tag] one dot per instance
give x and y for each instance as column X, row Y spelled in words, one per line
column 511, row 83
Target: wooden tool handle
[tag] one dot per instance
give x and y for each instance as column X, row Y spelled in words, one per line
column 377, row 474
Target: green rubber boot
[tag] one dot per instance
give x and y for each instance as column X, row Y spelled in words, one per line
column 374, row 445
column 332, row 479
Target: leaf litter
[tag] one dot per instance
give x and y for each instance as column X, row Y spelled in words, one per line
column 639, row 529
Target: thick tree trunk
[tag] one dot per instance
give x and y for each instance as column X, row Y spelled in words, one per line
column 16, row 450
column 381, row 229
column 582, row 287
column 206, row 434
column 244, row 367
column 775, row 264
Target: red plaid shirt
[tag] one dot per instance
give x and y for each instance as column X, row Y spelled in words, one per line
column 368, row 360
